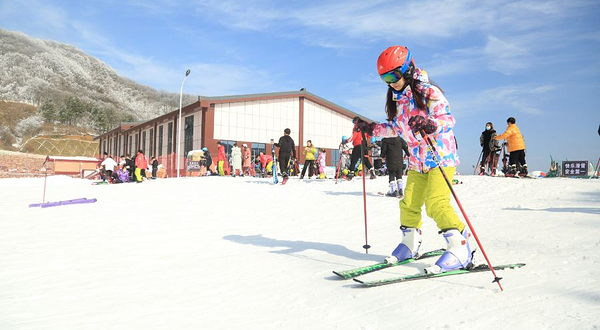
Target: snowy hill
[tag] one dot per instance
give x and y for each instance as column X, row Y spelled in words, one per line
column 35, row 71
column 241, row 253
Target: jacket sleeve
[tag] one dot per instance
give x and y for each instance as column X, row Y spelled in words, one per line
column 439, row 110
column 405, row 147
column 481, row 140
column 505, row 135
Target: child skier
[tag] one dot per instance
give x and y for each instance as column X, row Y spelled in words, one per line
column 321, row 163
column 415, row 106
column 392, row 150
column 345, row 150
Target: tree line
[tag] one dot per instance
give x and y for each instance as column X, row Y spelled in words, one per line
column 72, row 111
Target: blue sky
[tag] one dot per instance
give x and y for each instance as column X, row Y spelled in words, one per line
column 538, row 61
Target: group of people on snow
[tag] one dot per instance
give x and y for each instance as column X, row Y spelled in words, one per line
column 490, row 155
column 128, row 169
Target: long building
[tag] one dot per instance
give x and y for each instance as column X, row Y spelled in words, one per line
column 253, row 119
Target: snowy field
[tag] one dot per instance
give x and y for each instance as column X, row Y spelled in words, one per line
column 241, row 253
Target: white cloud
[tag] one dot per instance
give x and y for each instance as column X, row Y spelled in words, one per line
column 524, row 98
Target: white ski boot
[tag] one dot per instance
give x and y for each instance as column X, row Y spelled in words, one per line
column 392, row 192
column 410, row 246
column 399, row 191
column 458, row 255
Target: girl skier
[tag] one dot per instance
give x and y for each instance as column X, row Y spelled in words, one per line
column 414, row 105
column 321, row 163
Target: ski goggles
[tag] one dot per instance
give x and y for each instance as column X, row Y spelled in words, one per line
column 392, row 77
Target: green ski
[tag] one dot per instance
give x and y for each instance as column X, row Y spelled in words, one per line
column 350, row 273
column 477, row 269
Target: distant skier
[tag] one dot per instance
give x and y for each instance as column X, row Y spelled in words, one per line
column 321, row 163
column 266, row 162
column 359, row 146
column 309, row 159
column 109, row 166
column 413, row 106
column 246, row 159
column 491, row 147
column 221, row 158
column 208, row 160
column 516, row 148
column 141, row 164
column 376, row 154
column 236, row 163
column 287, row 149
column 393, row 150
column 345, row 149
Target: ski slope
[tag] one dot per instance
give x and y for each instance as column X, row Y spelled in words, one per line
column 242, row 253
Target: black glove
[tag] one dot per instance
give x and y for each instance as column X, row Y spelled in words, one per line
column 365, row 127
column 418, row 123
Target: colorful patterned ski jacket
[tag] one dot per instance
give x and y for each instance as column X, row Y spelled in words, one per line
column 421, row 158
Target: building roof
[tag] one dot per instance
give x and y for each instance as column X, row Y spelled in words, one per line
column 238, row 98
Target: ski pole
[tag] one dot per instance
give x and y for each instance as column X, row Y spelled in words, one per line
column 435, row 158
column 45, row 177
column 362, row 160
column 477, row 164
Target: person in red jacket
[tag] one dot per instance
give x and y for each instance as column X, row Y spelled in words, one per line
column 221, row 158
column 266, row 161
column 356, row 140
column 141, row 164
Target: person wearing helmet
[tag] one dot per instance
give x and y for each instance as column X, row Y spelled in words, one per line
column 208, row 161
column 345, row 150
column 414, row 106
column 376, row 155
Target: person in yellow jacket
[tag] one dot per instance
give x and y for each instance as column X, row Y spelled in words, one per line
column 309, row 159
column 516, row 148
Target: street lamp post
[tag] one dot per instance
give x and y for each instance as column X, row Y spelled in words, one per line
column 187, row 73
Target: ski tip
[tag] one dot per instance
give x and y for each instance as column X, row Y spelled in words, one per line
column 338, row 274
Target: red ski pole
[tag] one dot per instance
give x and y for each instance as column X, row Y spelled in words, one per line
column 362, row 160
column 435, row 158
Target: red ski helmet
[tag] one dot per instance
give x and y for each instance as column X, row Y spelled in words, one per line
column 392, row 58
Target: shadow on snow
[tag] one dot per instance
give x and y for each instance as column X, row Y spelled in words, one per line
column 291, row 247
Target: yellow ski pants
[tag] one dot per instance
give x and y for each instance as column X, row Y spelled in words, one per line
column 432, row 190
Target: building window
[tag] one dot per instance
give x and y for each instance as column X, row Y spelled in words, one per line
column 188, row 139
column 144, row 142
column 152, row 142
column 228, row 145
column 137, row 143
column 130, row 145
column 335, row 157
column 170, row 139
column 160, row 140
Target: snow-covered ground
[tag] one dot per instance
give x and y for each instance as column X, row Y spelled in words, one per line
column 241, row 253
